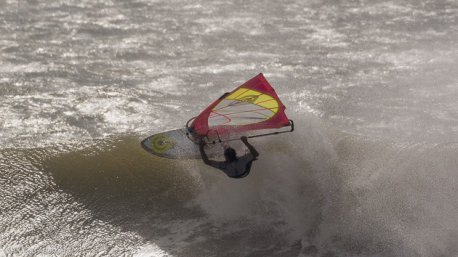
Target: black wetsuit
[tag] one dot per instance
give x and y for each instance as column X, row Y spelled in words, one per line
column 236, row 169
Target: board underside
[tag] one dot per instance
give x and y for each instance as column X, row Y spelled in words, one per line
column 173, row 144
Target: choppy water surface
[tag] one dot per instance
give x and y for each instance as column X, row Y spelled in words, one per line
column 370, row 171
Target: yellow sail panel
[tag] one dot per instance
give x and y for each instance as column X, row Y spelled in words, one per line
column 253, row 97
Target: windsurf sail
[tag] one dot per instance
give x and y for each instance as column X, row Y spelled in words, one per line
column 252, row 106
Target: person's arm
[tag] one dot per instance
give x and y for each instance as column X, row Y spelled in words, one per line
column 249, row 146
column 203, row 154
column 214, row 164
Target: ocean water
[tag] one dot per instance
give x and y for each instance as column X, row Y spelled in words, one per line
column 371, row 169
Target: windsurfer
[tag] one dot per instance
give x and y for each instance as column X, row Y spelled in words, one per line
column 233, row 166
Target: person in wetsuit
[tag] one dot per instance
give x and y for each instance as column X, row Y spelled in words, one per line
column 233, row 166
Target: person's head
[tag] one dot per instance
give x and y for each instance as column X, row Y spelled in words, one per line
column 230, row 154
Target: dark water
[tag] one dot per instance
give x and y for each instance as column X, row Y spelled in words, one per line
column 371, row 169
